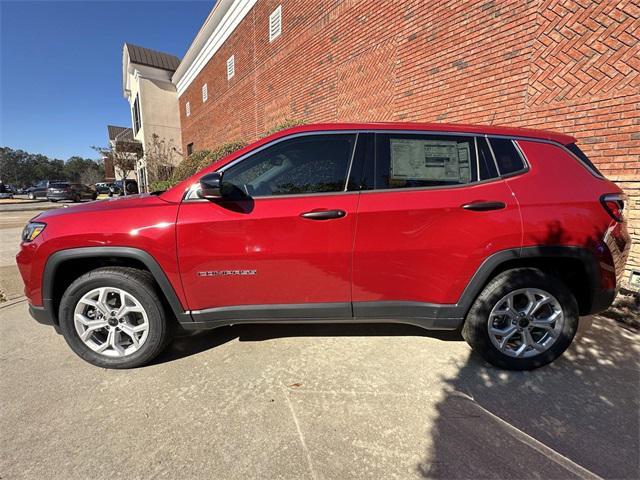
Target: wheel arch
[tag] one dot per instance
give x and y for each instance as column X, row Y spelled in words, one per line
column 576, row 266
column 64, row 266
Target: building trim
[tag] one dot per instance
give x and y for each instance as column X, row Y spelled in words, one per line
column 216, row 30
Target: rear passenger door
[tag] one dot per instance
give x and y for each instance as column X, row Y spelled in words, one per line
column 432, row 208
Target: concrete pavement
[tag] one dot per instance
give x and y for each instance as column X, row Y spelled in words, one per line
column 314, row 401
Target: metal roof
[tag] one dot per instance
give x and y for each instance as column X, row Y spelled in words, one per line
column 152, row 58
column 115, row 131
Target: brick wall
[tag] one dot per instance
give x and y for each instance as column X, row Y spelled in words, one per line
column 571, row 66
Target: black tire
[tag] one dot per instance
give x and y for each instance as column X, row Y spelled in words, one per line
column 52, row 200
column 140, row 284
column 475, row 330
column 31, row 196
column 76, row 199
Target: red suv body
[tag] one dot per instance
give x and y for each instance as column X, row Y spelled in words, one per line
column 351, row 222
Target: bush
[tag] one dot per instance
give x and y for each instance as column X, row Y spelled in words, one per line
column 161, row 185
column 284, row 124
column 203, row 158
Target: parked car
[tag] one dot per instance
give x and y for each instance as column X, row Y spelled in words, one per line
column 75, row 192
column 5, row 191
column 39, row 189
column 509, row 234
column 103, row 187
column 116, row 188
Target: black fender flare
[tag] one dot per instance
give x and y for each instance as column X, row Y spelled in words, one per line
column 600, row 299
column 56, row 259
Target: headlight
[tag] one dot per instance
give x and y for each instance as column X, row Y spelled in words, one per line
column 32, row 230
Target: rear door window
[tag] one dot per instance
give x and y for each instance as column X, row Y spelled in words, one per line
column 507, row 156
column 416, row 160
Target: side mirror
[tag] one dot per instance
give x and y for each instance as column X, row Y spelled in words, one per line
column 211, row 185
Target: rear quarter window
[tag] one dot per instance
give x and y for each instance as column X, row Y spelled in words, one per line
column 507, row 156
column 573, row 148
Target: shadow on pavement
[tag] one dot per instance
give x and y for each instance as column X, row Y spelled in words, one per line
column 197, row 342
column 583, row 407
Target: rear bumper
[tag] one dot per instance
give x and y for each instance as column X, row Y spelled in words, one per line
column 60, row 196
column 601, row 300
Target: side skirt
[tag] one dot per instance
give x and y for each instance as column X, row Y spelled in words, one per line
column 424, row 315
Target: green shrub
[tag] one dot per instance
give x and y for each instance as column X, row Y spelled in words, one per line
column 161, row 185
column 284, row 124
column 202, row 159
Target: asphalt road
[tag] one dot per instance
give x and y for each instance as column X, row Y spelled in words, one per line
column 319, row 402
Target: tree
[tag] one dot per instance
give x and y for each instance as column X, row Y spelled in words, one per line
column 124, row 157
column 161, row 157
column 83, row 170
column 24, row 169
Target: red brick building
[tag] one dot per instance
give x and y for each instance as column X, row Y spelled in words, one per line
column 571, row 66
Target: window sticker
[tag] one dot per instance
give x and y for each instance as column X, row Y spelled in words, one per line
column 430, row 160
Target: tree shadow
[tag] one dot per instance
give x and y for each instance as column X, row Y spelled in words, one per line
column 584, row 406
column 571, row 419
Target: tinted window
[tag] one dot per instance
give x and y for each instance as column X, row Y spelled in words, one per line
column 410, row 160
column 486, row 163
column 507, row 156
column 58, row 185
column 307, row 164
column 573, row 148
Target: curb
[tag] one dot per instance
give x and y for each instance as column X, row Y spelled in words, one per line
column 34, row 207
column 13, row 301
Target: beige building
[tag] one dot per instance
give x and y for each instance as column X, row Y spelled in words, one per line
column 155, row 119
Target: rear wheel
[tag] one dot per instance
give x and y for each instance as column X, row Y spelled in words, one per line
column 31, row 196
column 112, row 318
column 523, row 319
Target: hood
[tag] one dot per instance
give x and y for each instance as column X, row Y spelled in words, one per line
column 115, row 203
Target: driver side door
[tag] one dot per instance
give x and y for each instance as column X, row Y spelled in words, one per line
column 280, row 247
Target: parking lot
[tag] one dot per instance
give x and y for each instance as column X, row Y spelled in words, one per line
column 313, row 401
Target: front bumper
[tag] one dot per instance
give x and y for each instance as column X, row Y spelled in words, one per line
column 41, row 315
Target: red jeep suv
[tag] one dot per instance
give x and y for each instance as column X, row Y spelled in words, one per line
column 506, row 233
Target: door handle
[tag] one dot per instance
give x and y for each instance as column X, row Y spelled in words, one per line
column 323, row 214
column 484, row 206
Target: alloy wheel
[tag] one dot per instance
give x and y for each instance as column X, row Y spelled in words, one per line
column 111, row 322
column 525, row 322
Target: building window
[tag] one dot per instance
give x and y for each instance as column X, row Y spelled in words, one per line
column 231, row 67
column 136, row 115
column 275, row 23
column 187, row 109
column 205, row 93
column 189, row 148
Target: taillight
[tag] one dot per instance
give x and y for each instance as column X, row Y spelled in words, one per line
column 613, row 203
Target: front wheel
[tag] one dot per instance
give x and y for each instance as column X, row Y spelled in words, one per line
column 112, row 317
column 31, row 196
column 523, row 319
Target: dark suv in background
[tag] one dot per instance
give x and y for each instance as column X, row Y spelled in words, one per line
column 75, row 192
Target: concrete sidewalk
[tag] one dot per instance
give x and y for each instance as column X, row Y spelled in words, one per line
column 314, row 401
